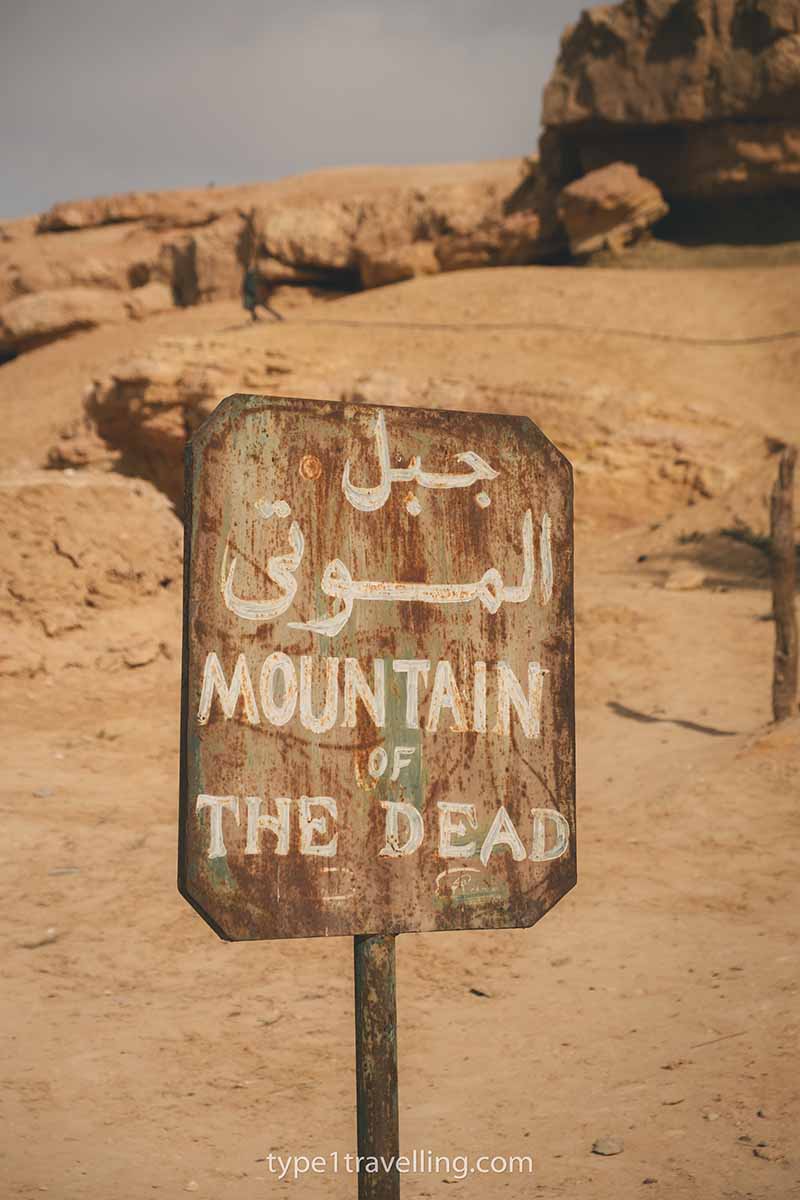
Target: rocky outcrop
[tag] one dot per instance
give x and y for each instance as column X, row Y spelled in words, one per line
column 175, row 209
column 611, row 207
column 144, row 413
column 380, row 263
column 701, row 96
column 499, row 241
column 368, row 242
column 677, row 62
column 341, row 233
column 717, row 162
column 205, row 265
column 34, row 320
column 89, row 561
column 318, row 239
column 138, row 417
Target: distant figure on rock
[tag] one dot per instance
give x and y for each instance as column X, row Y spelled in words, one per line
column 255, row 294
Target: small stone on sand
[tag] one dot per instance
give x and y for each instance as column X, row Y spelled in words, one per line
column 684, row 579
column 608, row 1146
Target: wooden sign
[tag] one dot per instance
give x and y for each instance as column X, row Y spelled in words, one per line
column 378, row 714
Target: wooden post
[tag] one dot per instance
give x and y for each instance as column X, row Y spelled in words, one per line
column 784, row 570
column 376, row 1064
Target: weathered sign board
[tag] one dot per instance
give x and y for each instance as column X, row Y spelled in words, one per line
column 378, row 713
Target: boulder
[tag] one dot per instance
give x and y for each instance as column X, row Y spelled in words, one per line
column 319, row 237
column 677, row 62
column 148, row 300
column 207, row 264
column 393, row 241
column 379, row 264
column 701, row 96
column 612, row 206
column 684, row 579
column 34, row 320
column 414, row 232
column 496, row 242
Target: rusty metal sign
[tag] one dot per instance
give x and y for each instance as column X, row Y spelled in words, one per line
column 378, row 713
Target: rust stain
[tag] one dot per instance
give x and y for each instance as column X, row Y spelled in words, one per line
column 310, row 466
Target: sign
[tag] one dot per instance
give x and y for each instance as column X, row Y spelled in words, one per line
column 378, row 712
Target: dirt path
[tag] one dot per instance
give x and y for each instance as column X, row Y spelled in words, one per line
column 657, row 1003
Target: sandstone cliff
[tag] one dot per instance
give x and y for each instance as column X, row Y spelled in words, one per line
column 701, row 96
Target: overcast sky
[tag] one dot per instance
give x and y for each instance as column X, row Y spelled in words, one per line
column 110, row 95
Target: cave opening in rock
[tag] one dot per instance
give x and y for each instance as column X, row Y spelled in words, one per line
column 767, row 220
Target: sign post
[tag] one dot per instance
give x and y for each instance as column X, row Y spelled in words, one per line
column 377, row 705
column 376, row 1065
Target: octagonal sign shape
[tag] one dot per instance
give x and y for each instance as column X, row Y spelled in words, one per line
column 378, row 727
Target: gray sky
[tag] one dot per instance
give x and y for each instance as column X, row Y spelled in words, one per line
column 111, row 95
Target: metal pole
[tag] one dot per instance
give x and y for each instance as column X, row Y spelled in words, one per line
column 376, row 1066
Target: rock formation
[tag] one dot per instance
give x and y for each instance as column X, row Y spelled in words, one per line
column 33, row 320
column 87, row 558
column 371, row 242
column 701, row 96
column 612, row 207
column 88, row 262
column 137, row 418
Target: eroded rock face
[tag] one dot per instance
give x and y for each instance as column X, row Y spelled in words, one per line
column 380, row 263
column 701, row 96
column 35, row 319
column 179, row 210
column 147, row 408
column 89, row 562
column 658, row 62
column 369, row 243
column 195, row 246
column 718, row 161
column 610, row 207
column 138, row 417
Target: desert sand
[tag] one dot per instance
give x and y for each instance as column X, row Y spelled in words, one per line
column 657, row 1003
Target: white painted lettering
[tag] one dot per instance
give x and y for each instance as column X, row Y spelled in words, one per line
column 357, row 688
column 448, row 829
column 415, row 829
column 479, row 698
column 528, row 709
column 217, row 804
column 502, row 833
column 541, row 816
column 256, row 821
column 377, row 762
column 311, row 825
column 402, row 757
column 414, row 669
column 278, row 712
column 241, row 685
column 330, row 710
column 445, row 694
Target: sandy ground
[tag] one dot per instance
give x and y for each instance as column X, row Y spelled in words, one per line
column 657, row 1003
